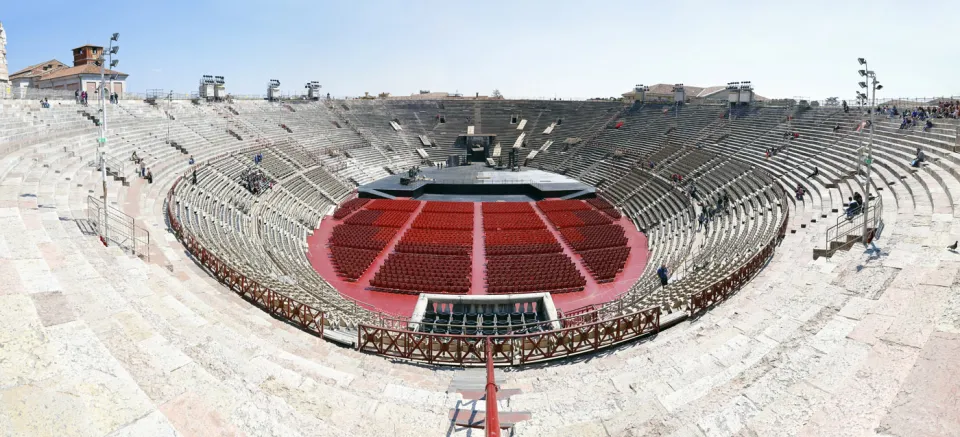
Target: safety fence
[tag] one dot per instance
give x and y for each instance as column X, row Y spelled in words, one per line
column 507, row 349
column 300, row 314
column 117, row 227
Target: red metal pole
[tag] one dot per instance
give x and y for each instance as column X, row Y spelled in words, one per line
column 492, row 417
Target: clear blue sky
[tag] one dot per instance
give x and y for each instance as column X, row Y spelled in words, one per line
column 523, row 48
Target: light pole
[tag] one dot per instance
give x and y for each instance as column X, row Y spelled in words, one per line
column 861, row 102
column 170, row 109
column 874, row 86
column 102, row 127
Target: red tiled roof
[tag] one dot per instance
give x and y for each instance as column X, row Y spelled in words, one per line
column 37, row 69
column 83, row 69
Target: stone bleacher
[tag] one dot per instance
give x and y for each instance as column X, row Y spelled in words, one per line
column 814, row 347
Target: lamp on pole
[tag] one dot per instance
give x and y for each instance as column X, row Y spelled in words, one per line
column 871, row 85
column 170, row 109
column 861, row 102
column 102, row 126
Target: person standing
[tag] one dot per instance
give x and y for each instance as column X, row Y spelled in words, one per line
column 664, row 275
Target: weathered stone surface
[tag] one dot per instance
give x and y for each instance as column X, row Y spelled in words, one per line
column 928, row 403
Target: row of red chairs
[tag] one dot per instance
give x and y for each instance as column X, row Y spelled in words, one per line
column 524, row 273
column 594, row 237
column 529, row 236
column 523, row 249
column 394, row 205
column 440, row 237
column 391, row 219
column 604, row 264
column 362, row 237
column 599, row 203
column 433, row 249
column 424, row 273
column 562, row 205
column 530, row 220
column 612, row 212
column 449, row 207
column 410, row 286
column 349, row 206
column 438, row 220
column 567, row 219
column 350, row 262
column 506, row 207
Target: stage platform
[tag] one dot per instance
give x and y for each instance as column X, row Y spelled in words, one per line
column 478, row 182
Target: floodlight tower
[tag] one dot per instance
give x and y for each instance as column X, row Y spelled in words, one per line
column 273, row 90
column 219, row 88
column 313, row 90
column 874, row 85
column 206, row 87
column 641, row 91
column 102, row 126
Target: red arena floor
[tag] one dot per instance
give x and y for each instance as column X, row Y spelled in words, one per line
column 402, row 304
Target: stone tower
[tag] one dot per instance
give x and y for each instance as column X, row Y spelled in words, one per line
column 4, row 77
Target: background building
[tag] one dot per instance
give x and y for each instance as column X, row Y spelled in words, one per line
column 83, row 75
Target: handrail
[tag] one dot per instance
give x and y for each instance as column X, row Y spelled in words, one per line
column 844, row 226
column 492, row 415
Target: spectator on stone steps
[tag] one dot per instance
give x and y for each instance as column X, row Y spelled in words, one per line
column 664, row 275
column 800, row 192
column 194, row 176
column 76, row 96
column 816, row 172
column 191, row 160
column 852, row 208
column 836, row 128
column 858, row 198
column 928, row 126
column 149, row 176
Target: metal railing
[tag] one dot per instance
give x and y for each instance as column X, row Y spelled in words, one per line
column 119, row 228
column 840, row 232
column 508, row 349
column 492, row 415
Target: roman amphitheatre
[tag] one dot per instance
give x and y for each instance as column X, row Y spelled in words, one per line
column 433, row 265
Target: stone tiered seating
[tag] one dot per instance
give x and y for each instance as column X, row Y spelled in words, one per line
column 805, row 343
